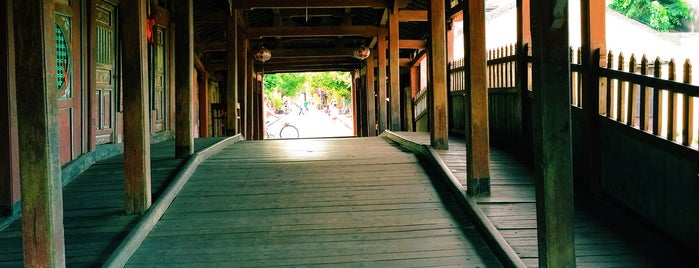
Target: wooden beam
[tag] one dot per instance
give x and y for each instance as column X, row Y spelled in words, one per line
column 204, row 104
column 478, row 157
column 394, row 67
column 382, row 81
column 243, row 66
column 302, row 12
column 310, row 31
column 40, row 167
column 232, row 74
column 253, row 4
column 136, row 113
column 184, row 68
column 411, row 44
column 312, row 53
column 551, row 120
column 250, row 101
column 437, row 98
column 412, row 15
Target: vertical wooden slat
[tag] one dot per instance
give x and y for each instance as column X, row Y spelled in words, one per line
column 437, row 97
column 477, row 140
column 394, row 67
column 671, row 103
column 621, row 86
column 381, row 99
column 184, row 68
column 232, row 73
column 37, row 106
column 644, row 95
column 610, row 87
column 136, row 124
column 657, row 113
column 370, row 96
column 687, row 108
column 552, row 134
column 629, row 95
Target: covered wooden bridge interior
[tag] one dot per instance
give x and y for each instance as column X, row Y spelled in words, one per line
column 502, row 141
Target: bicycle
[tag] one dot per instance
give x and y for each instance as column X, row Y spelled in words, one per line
column 288, row 131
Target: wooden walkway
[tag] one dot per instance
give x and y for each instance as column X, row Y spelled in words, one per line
column 313, row 202
column 93, row 203
column 605, row 236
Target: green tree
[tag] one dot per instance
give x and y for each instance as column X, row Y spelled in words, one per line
column 337, row 84
column 287, row 83
column 662, row 15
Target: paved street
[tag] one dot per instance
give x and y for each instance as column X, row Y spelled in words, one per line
column 313, row 124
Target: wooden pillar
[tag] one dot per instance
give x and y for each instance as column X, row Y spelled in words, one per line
column 394, row 67
column 478, row 155
column 381, row 96
column 356, row 109
column 204, row 104
column 370, row 96
column 593, row 30
column 37, row 122
column 250, row 101
column 242, row 83
column 136, row 112
column 437, row 98
column 9, row 147
column 552, row 135
column 184, row 69
column 523, row 44
column 232, row 73
column 259, row 120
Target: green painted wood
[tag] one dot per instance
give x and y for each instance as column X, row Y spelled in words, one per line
column 94, row 220
column 332, row 202
column 39, row 145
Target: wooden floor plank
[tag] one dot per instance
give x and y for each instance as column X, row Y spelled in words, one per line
column 326, row 202
column 93, row 203
column 600, row 241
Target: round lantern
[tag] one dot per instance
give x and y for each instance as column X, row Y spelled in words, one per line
column 362, row 52
column 263, row 54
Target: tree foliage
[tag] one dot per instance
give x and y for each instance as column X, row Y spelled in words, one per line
column 662, row 15
column 287, row 83
column 337, row 84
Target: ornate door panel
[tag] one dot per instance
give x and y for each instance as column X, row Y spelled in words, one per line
column 105, row 78
column 68, row 83
column 160, row 96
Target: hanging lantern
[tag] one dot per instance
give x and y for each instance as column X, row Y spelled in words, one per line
column 263, row 54
column 362, row 52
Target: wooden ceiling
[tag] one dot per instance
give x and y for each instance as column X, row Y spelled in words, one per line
column 307, row 35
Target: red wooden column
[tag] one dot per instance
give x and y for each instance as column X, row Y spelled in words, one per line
column 381, row 96
column 370, row 95
column 184, row 70
column 37, row 107
column 552, row 135
column 394, row 67
column 136, row 124
column 437, row 98
column 477, row 142
column 593, row 30
column 9, row 147
column 232, row 73
column 524, row 38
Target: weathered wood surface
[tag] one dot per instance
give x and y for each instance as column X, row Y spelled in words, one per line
column 329, row 202
column 606, row 237
column 93, row 204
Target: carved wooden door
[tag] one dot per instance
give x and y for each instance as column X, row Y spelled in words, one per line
column 106, row 77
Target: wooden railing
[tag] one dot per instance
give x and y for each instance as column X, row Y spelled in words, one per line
column 420, row 104
column 642, row 98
